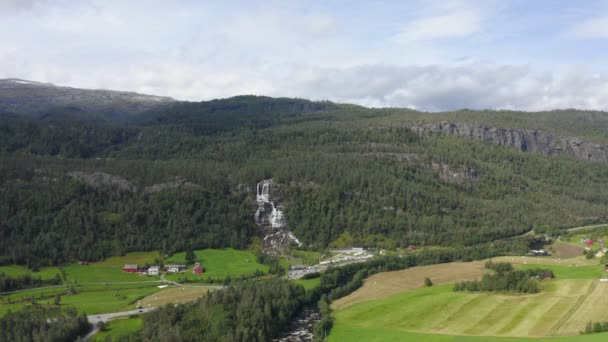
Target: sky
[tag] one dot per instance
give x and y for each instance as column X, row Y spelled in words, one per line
column 427, row 55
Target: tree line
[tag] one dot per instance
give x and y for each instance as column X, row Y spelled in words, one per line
column 506, row 279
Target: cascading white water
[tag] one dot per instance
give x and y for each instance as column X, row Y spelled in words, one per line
column 276, row 218
column 270, row 214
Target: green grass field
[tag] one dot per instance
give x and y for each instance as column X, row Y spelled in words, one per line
column 90, row 299
column 570, row 272
column 560, row 309
column 119, row 327
column 15, row 271
column 308, row 284
column 107, row 271
column 219, row 263
column 343, row 332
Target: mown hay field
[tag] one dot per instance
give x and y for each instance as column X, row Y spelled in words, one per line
column 438, row 313
column 386, row 284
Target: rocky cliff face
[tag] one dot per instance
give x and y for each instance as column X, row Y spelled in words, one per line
column 527, row 140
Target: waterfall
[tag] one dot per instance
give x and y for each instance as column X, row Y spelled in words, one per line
column 270, row 216
column 276, row 218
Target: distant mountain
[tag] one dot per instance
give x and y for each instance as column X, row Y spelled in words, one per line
column 44, row 100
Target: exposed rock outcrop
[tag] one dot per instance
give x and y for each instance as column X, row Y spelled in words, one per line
column 460, row 175
column 99, row 179
column 177, row 183
column 527, row 140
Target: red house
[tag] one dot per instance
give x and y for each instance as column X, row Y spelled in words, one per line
column 198, row 269
column 130, row 268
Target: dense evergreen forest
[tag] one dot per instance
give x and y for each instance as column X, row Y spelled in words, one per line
column 253, row 311
column 43, row 324
column 182, row 176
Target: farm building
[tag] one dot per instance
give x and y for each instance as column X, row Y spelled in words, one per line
column 130, row 268
column 153, row 270
column 175, row 268
column 198, row 269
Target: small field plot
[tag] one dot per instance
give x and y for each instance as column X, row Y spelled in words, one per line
column 173, row 295
column 110, row 270
column 567, row 250
column 569, row 272
column 541, row 261
column 16, row 271
column 219, row 264
column 119, row 327
column 386, row 284
column 308, row 284
column 440, row 310
column 108, row 299
column 89, row 299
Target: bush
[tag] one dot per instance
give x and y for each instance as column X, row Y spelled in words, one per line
column 428, row 282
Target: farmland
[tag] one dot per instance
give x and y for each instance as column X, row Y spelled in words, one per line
column 219, row 263
column 102, row 287
column 173, row 295
column 91, row 299
column 383, row 285
column 395, row 306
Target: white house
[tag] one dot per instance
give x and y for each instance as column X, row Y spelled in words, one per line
column 175, row 268
column 153, row 270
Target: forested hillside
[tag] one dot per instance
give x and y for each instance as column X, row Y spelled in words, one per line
column 349, row 175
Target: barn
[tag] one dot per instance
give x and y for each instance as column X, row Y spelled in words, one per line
column 198, row 269
column 130, row 268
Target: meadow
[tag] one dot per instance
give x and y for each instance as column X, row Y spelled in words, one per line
column 308, row 284
column 219, row 264
column 400, row 308
column 90, row 299
column 119, row 327
column 440, row 310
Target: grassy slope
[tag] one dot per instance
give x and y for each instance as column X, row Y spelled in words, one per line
column 563, row 308
column 353, row 333
column 89, row 299
column 440, row 310
column 119, row 327
column 105, row 271
column 219, row 263
column 309, row 284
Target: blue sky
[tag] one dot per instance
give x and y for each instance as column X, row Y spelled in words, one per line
column 428, row 55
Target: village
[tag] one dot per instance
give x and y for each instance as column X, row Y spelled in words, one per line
column 197, row 269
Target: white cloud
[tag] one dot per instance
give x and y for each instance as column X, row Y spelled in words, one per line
column 445, row 87
column 591, row 28
column 201, row 51
column 451, row 25
column 19, row 5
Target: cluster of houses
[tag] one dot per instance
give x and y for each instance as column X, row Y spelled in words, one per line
column 155, row 270
column 589, row 243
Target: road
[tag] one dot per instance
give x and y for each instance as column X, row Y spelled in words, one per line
column 94, row 319
column 587, row 227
